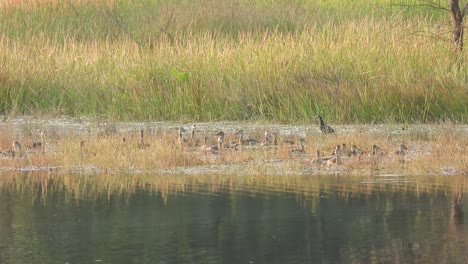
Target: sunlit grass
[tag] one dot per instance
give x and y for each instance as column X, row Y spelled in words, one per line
column 106, row 164
column 249, row 60
column 434, row 150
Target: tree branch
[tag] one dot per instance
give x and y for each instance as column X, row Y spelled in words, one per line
column 429, row 4
column 465, row 10
column 164, row 29
column 120, row 22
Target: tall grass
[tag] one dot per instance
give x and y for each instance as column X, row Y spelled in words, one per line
column 279, row 61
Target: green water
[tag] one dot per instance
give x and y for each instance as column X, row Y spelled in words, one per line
column 40, row 223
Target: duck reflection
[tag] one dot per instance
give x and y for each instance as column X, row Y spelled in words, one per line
column 456, row 215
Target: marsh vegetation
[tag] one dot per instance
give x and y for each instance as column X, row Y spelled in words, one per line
column 98, row 162
column 280, row 61
column 262, row 149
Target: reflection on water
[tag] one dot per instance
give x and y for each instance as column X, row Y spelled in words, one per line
column 216, row 219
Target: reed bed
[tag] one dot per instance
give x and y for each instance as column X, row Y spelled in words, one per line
column 281, row 61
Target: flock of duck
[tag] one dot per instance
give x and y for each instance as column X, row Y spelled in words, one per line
column 270, row 139
column 17, row 148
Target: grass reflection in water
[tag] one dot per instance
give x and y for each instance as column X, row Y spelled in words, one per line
column 232, row 219
column 89, row 186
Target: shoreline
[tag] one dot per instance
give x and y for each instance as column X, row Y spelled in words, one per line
column 114, row 148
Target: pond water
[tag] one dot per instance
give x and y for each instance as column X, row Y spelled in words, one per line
column 312, row 219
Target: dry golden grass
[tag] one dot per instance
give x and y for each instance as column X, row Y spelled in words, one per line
column 435, row 150
column 32, row 4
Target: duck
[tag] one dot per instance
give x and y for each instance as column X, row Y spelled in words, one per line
column 142, row 142
column 213, row 148
column 181, row 138
column 336, row 151
column 274, row 138
column 242, row 141
column 231, row 145
column 376, row 150
column 336, row 159
column 345, row 151
column 323, row 127
column 267, row 139
column 82, row 145
column 194, row 142
column 16, row 146
column 328, row 160
column 205, row 147
column 302, row 143
column 40, row 144
column 355, row 150
column 16, row 149
column 401, row 150
column 220, row 136
column 192, row 133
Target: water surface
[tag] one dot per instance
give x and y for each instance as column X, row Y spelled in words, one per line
column 307, row 219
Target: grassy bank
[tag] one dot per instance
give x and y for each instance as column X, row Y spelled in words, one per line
column 282, row 61
column 106, row 149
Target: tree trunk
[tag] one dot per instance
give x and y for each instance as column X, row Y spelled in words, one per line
column 457, row 19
